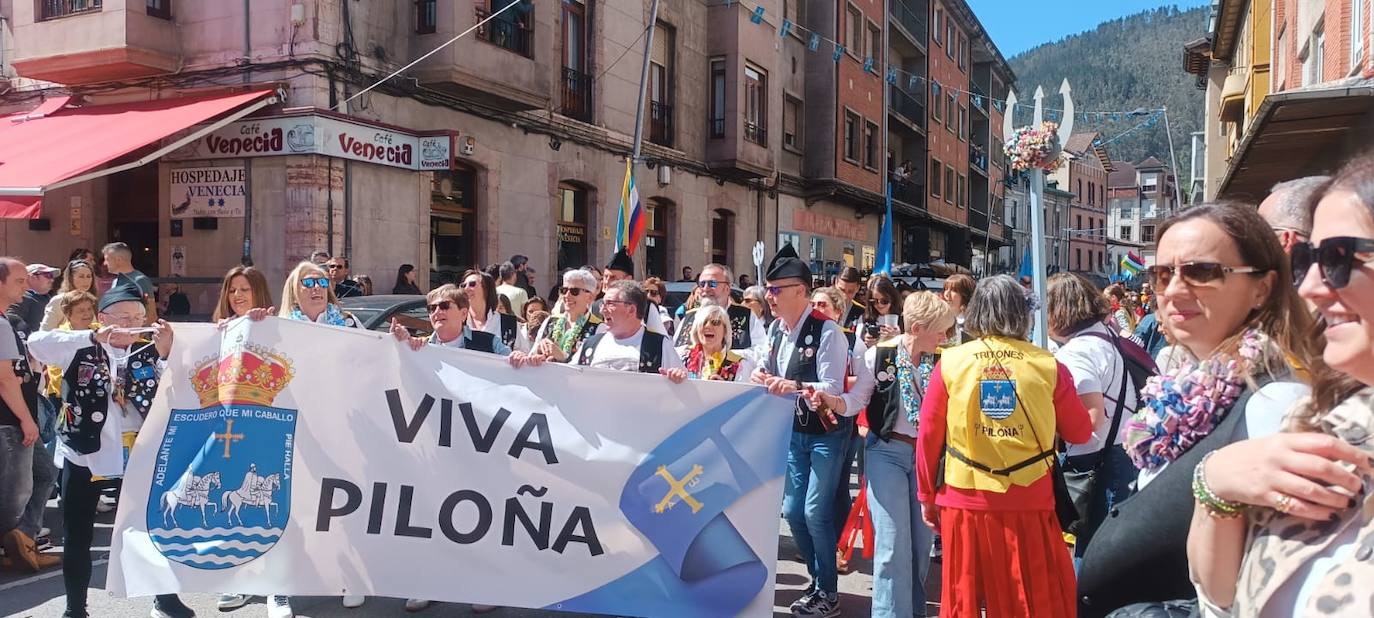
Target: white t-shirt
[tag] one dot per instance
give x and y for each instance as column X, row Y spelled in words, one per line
column 517, row 296
column 1097, row 367
column 623, row 354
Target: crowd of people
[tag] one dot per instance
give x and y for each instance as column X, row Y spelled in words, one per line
column 1193, row 445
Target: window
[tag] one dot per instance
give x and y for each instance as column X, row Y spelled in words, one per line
column 791, row 122
column 951, row 104
column 935, row 111
column 722, row 226
column 1079, row 195
column 1092, row 194
column 1079, row 226
column 717, row 97
column 851, row 137
column 755, row 105
column 935, row 176
column 661, row 85
column 656, row 239
column 1102, row 195
column 52, row 9
column 962, row 200
column 577, row 81
column 855, row 44
column 939, row 26
column 1312, row 57
column 875, row 45
column 1078, row 259
column 963, row 123
column 452, row 224
column 794, row 10
column 871, row 145
column 159, row 8
column 572, row 226
column 426, row 16
column 1101, row 261
column 950, row 33
column 817, row 255
column 1356, row 32
column 1281, row 67
column 949, row 184
column 511, row 28
column 963, row 54
column 1147, row 233
column 789, row 238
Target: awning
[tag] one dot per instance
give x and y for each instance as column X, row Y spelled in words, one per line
column 1297, row 133
column 57, row 145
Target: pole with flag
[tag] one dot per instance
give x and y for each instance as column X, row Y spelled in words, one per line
column 630, row 224
column 882, row 263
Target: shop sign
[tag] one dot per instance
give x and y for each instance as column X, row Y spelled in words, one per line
column 569, row 233
column 814, row 223
column 207, row 192
column 325, row 135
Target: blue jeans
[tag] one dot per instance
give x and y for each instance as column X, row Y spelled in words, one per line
column 16, row 476
column 1113, row 485
column 808, row 502
column 44, row 479
column 901, row 553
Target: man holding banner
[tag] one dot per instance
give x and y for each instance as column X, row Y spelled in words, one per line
column 808, row 352
column 631, row 346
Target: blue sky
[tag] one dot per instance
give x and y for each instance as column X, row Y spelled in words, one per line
column 1017, row 25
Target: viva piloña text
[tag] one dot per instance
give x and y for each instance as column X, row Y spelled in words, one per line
column 534, row 519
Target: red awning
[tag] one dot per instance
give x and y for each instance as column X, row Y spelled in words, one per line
column 56, row 145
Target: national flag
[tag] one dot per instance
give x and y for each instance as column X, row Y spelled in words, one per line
column 882, row 262
column 630, row 224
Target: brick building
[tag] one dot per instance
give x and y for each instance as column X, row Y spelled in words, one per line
column 1084, row 174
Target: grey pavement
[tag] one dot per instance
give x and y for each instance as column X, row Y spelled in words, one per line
column 41, row 595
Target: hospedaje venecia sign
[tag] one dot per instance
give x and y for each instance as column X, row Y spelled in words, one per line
column 314, row 131
column 207, row 191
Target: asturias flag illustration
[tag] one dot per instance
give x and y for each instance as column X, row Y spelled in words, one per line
column 629, row 229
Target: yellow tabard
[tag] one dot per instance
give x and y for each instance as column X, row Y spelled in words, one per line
column 993, row 383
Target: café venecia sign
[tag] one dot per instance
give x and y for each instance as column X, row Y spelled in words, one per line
column 331, row 135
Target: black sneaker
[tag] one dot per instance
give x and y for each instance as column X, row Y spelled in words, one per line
column 821, row 605
column 170, row 607
column 804, row 600
column 71, row 613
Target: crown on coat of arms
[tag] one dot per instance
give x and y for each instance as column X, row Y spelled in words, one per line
column 251, row 374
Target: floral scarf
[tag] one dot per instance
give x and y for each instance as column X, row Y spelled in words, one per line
column 332, row 316
column 563, row 331
column 1181, row 407
column 702, row 366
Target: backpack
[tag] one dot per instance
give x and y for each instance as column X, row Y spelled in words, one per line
column 1139, row 364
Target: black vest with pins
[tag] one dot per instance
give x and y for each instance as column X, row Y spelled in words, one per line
column 885, row 406
column 650, row 351
column 87, row 385
column 739, row 327
column 802, row 367
column 28, row 379
column 477, row 341
column 510, row 326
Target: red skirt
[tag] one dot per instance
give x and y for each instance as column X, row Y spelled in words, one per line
column 1014, row 563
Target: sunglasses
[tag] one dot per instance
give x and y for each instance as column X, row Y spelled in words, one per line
column 1336, row 256
column 821, row 304
column 334, row 266
column 715, row 322
column 315, row 282
column 572, row 291
column 1196, row 274
column 443, row 305
column 710, row 284
column 471, row 284
column 777, row 289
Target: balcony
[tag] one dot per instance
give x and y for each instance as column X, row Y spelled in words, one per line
column 980, row 98
column 911, row 21
column 496, row 67
column 756, row 133
column 510, row 35
column 577, row 95
column 977, row 158
column 661, row 124
column 907, row 106
column 911, row 194
column 83, row 41
column 978, row 220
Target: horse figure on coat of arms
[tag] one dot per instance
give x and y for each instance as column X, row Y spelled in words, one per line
column 192, row 491
column 255, row 491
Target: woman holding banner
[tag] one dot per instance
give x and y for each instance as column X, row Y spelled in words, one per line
column 561, row 336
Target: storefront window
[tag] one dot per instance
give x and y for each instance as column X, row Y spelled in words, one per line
column 452, row 225
column 656, row 239
column 722, row 223
column 572, row 226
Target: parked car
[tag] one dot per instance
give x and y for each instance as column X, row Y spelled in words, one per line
column 375, row 312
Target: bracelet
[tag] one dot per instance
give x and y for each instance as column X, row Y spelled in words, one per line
column 1213, row 504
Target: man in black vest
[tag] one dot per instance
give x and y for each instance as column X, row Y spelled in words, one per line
column 807, row 352
column 448, row 315
column 850, row 282
column 713, row 288
column 630, row 346
column 109, row 379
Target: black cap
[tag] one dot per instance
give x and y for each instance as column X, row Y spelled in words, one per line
column 621, row 261
column 786, row 265
column 119, row 294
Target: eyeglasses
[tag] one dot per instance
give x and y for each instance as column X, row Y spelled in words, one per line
column 1336, row 256
column 443, row 305
column 774, row 290
column 1197, row 274
column 470, row 284
column 652, row 292
column 751, row 300
column 123, row 317
column 607, row 302
column 710, row 283
column 315, row 282
column 572, row 291
column 820, row 304
column 334, row 266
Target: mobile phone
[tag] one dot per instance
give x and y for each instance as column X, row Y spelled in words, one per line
column 871, row 330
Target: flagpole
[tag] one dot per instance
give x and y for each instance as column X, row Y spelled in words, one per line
column 643, row 86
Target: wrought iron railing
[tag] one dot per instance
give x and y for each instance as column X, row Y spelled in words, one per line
column 977, row 158
column 577, row 95
column 756, row 133
column 907, row 105
column 661, row 123
column 53, row 9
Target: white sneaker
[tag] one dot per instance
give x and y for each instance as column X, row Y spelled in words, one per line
column 415, row 605
column 44, row 531
column 228, row 601
column 353, row 601
column 279, row 606
column 105, row 505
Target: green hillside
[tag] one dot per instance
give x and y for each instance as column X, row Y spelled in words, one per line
column 1124, row 64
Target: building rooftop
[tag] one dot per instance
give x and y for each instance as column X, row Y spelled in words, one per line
column 1122, row 175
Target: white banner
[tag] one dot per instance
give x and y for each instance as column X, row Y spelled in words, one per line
column 326, row 135
column 207, row 192
column 289, row 458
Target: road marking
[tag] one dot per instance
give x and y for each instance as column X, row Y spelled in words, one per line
column 42, row 576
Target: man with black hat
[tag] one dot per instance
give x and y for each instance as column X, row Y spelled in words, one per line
column 109, row 379
column 808, row 352
column 713, row 288
column 622, row 268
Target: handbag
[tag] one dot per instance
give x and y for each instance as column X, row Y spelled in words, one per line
column 1081, row 484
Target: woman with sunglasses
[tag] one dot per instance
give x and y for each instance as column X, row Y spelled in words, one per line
column 1242, row 338
column 561, row 336
column 882, row 318
column 754, row 299
column 707, row 354
column 1281, row 526
column 308, row 296
column 78, row 276
column 484, row 316
column 653, row 287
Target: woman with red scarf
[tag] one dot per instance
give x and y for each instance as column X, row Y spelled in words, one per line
column 707, row 354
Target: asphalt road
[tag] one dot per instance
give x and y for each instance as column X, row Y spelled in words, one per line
column 42, row 595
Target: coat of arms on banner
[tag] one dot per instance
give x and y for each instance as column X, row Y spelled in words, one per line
column 221, row 489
